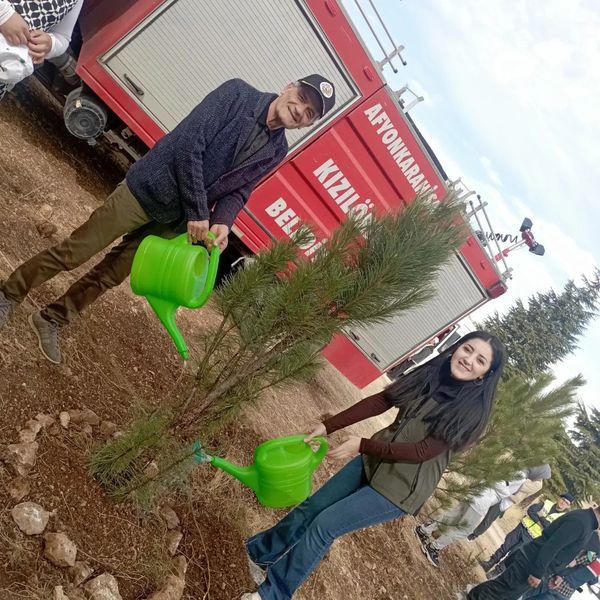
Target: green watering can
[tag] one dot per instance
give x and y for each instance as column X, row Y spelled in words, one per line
column 171, row 273
column 281, row 475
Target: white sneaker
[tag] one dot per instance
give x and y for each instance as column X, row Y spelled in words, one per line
column 252, row 596
column 257, row 573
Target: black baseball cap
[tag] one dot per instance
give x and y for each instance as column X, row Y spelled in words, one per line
column 568, row 497
column 324, row 88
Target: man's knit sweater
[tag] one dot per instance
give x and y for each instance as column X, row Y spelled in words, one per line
column 189, row 171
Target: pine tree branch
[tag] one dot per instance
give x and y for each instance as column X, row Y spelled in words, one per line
column 147, row 479
column 249, row 370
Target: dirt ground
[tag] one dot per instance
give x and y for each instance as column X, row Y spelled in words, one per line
column 118, row 356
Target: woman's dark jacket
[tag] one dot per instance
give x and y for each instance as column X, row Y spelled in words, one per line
column 401, row 461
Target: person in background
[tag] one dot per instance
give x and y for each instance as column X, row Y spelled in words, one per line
column 529, row 491
column 583, row 570
column 458, row 523
column 549, row 553
column 31, row 32
column 443, row 407
column 196, row 179
column 539, row 516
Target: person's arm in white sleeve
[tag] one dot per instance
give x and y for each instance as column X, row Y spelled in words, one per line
column 6, row 11
column 12, row 25
column 61, row 32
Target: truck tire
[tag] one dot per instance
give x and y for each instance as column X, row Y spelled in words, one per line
column 85, row 116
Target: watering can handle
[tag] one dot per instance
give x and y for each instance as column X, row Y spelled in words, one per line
column 211, row 275
column 319, row 455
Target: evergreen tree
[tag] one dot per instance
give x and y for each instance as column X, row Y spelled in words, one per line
column 276, row 316
column 538, row 334
column 529, row 414
column 546, row 329
column 587, row 427
column 578, row 457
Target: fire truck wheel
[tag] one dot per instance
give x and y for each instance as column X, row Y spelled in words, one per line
column 85, row 116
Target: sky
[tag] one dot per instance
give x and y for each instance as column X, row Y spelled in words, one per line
column 511, row 106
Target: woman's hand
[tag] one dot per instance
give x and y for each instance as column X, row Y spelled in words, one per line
column 319, row 430
column 15, row 30
column 347, row 449
column 40, row 44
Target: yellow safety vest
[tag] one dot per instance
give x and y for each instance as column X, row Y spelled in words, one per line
column 535, row 529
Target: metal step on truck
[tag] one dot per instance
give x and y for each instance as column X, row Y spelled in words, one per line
column 143, row 66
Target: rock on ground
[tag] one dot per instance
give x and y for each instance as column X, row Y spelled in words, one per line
column 19, row 488
column 26, row 436
column 65, row 419
column 103, row 587
column 108, row 428
column 75, row 593
column 44, row 420
column 174, row 537
column 80, row 572
column 22, row 456
column 46, row 229
column 59, row 593
column 170, row 517
column 84, row 417
column 60, row 550
column 30, row 517
column 30, row 431
column 174, row 585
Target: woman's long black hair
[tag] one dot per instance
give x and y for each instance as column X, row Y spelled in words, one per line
column 464, row 407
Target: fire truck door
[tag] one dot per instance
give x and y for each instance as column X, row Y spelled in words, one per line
column 186, row 48
column 457, row 292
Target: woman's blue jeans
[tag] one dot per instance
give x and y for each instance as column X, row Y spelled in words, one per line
column 293, row 548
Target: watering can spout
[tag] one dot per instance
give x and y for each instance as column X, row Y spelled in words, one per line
column 171, row 273
column 281, row 475
column 166, row 311
column 247, row 475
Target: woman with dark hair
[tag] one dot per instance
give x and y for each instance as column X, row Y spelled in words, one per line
column 444, row 407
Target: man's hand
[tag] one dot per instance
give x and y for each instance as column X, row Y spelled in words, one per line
column 347, row 449
column 197, row 231
column 40, row 43
column 221, row 231
column 15, row 30
column 555, row 582
column 533, row 582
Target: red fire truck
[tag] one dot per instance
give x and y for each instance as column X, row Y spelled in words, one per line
column 144, row 64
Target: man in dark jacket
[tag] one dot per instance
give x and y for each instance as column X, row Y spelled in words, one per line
column 562, row 587
column 558, row 545
column 583, row 570
column 195, row 179
column 539, row 516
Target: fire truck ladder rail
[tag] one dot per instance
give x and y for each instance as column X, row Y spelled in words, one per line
column 506, row 271
column 459, row 187
column 388, row 56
